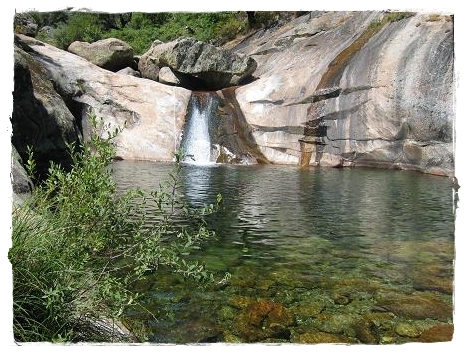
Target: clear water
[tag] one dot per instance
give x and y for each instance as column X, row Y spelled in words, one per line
column 316, row 255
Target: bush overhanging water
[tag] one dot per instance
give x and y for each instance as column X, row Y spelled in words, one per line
column 78, row 246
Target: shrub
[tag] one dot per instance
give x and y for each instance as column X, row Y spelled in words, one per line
column 82, row 26
column 78, row 247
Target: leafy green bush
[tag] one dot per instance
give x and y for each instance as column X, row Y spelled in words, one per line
column 82, row 26
column 78, row 247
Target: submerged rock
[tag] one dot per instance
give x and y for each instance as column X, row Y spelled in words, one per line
column 407, row 330
column 438, row 333
column 417, row 307
column 308, row 309
column 111, row 54
column 205, row 66
column 263, row 320
column 320, row 337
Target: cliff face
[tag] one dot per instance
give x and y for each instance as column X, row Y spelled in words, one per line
column 330, row 89
column 151, row 114
column 354, row 88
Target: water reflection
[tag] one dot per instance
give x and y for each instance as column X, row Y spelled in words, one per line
column 294, row 236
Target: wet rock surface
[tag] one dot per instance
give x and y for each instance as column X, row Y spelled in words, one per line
column 365, row 81
column 438, row 333
column 417, row 307
column 264, row 319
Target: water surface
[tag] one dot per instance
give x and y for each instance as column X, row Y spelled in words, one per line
column 316, row 255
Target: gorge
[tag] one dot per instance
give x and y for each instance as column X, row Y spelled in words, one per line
column 325, row 89
column 295, row 130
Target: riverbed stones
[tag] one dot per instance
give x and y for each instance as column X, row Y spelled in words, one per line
column 320, row 337
column 241, row 302
column 407, row 330
column 308, row 310
column 205, row 66
column 338, row 323
column 263, row 320
column 111, row 54
column 438, row 333
column 417, row 307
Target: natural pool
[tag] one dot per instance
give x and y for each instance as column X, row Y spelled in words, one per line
column 316, row 256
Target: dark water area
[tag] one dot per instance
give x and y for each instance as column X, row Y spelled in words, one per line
column 315, row 256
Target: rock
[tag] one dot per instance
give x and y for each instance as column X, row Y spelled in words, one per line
column 20, row 180
column 111, row 53
column 440, row 284
column 370, row 91
column 417, row 307
column 439, row 333
column 40, row 119
column 407, row 330
column 203, row 65
column 366, row 332
column 320, row 337
column 167, row 76
column 151, row 113
column 129, row 71
column 273, row 312
column 197, row 331
column 308, row 310
column 263, row 320
column 337, row 323
column 25, row 24
column 375, row 328
column 241, row 302
column 148, row 68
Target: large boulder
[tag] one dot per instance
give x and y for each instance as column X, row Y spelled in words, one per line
column 204, row 66
column 40, row 118
column 111, row 54
column 354, row 88
column 151, row 114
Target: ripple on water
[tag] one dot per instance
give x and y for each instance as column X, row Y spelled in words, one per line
column 342, row 256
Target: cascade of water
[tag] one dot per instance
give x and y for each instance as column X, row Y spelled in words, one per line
column 196, row 140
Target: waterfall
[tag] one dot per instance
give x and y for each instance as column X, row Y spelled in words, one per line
column 196, row 138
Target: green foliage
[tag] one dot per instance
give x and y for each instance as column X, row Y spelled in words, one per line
column 398, row 16
column 78, row 247
column 144, row 28
column 82, row 26
column 389, row 18
column 140, row 29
